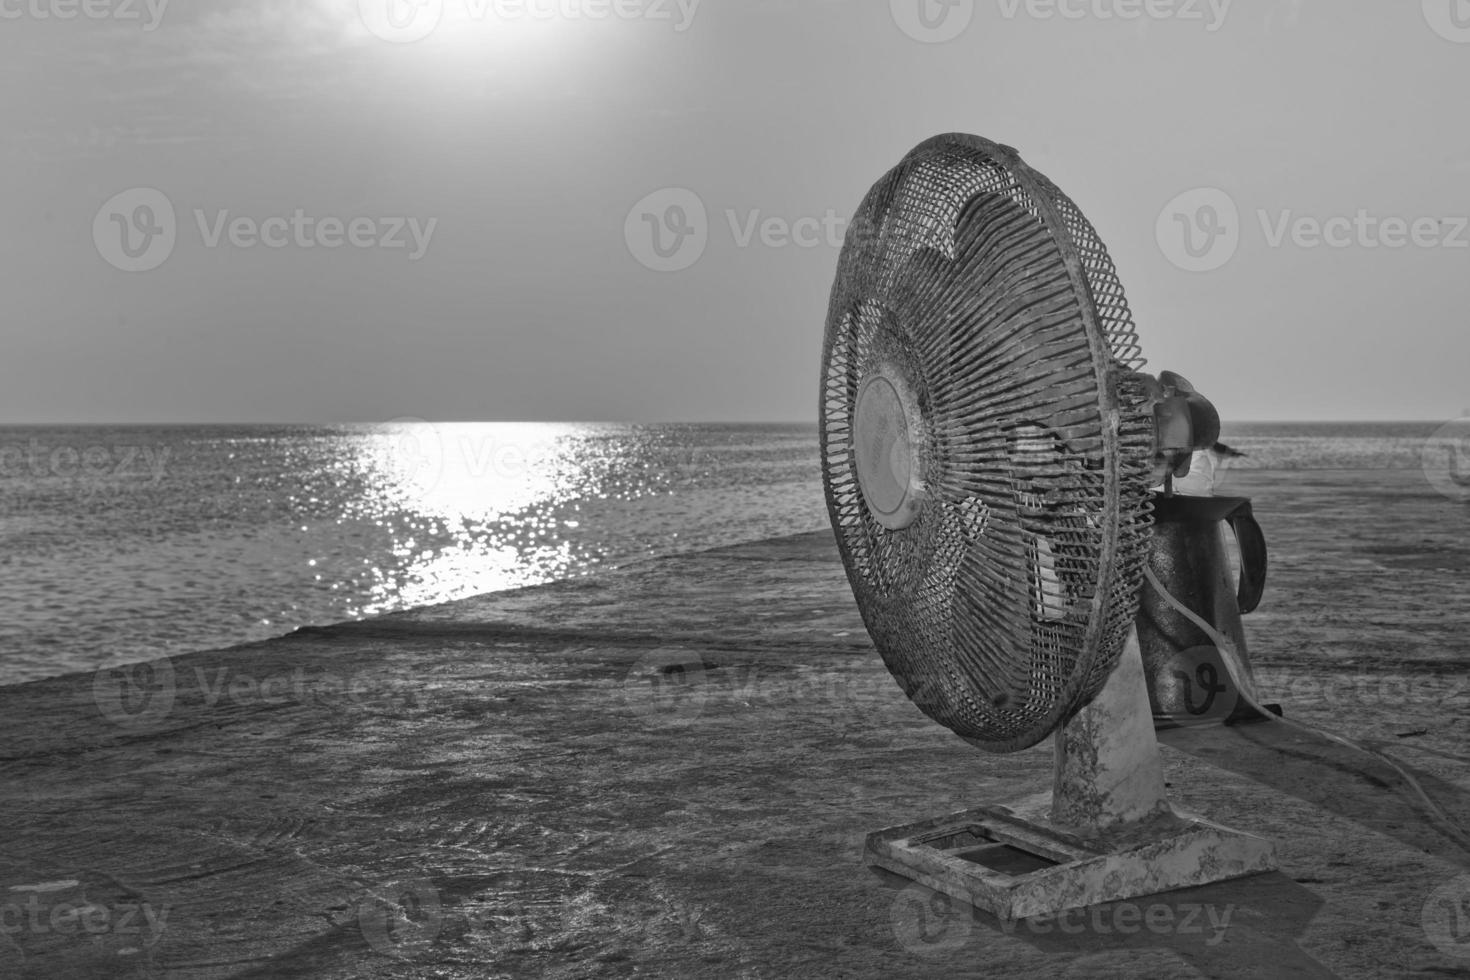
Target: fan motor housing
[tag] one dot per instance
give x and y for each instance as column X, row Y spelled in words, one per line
column 886, row 447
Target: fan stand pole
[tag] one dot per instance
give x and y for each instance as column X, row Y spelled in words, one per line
column 1108, row 770
column 1105, row 833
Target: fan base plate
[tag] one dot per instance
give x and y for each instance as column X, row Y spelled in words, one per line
column 1014, row 863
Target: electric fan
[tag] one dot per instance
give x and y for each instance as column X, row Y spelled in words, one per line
column 988, row 448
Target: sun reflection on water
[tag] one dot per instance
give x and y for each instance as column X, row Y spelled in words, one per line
column 477, row 507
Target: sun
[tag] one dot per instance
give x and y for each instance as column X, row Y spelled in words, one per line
column 468, row 35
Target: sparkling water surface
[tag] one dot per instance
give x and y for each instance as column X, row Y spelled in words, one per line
column 125, row 543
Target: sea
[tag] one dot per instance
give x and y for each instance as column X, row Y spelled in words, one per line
column 129, row 543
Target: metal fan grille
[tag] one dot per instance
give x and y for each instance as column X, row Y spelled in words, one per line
column 973, row 283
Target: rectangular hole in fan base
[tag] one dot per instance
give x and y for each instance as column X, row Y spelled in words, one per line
column 1005, row 859
column 978, row 845
column 1017, row 864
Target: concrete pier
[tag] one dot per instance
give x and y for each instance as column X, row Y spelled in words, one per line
column 669, row 770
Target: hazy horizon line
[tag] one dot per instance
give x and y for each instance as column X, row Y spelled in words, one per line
column 812, row 423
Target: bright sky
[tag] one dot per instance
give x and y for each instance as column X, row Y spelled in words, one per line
column 461, row 226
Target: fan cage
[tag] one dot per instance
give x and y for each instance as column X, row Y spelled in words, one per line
column 1003, row 608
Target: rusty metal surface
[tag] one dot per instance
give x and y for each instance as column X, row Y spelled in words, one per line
column 1162, row 854
column 1108, row 771
column 1187, row 679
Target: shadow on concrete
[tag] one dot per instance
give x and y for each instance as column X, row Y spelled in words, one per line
column 1356, row 785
